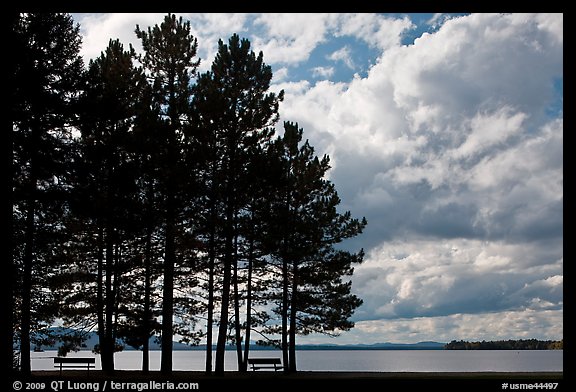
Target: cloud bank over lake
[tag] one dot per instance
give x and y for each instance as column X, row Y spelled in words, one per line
column 446, row 133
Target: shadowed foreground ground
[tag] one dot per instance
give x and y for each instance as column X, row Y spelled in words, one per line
column 96, row 380
column 134, row 375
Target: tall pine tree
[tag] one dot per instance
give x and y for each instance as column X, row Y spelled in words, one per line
column 169, row 59
column 145, row 144
column 108, row 174
column 46, row 81
column 234, row 105
column 305, row 227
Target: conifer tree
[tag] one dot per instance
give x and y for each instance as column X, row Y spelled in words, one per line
column 131, row 185
column 107, row 182
column 235, row 107
column 169, row 59
column 46, row 78
column 305, row 226
column 145, row 145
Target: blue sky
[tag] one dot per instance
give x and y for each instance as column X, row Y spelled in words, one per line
column 446, row 132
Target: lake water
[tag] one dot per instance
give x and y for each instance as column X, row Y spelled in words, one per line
column 351, row 360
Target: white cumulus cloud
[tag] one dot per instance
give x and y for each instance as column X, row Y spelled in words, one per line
column 447, row 146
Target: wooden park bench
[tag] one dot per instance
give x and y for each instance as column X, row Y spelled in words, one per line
column 76, row 363
column 265, row 363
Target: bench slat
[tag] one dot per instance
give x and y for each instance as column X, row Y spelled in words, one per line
column 76, row 363
column 85, row 366
column 257, row 363
column 265, row 360
column 74, row 360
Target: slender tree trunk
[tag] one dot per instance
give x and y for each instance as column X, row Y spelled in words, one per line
column 168, row 289
column 28, row 263
column 248, row 307
column 9, row 338
column 116, row 291
column 100, row 291
column 27, row 281
column 225, row 303
column 107, row 353
column 293, row 312
column 237, row 325
column 170, row 244
column 147, row 314
column 210, row 321
column 228, row 256
column 211, row 269
column 285, row 357
column 286, row 244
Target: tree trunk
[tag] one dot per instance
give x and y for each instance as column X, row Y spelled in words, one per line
column 248, row 307
column 211, row 272
column 100, row 292
column 170, row 244
column 27, row 282
column 147, row 314
column 107, row 349
column 116, row 292
column 210, row 321
column 225, row 303
column 285, row 358
column 228, row 256
column 9, row 338
column 237, row 326
column 168, row 288
column 293, row 311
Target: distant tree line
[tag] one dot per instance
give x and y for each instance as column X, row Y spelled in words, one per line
column 522, row 344
column 149, row 200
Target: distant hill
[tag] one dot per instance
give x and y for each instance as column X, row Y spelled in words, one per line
column 92, row 340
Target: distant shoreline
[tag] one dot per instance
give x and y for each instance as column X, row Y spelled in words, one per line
column 329, row 348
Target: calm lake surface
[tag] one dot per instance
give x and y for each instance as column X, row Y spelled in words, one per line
column 351, row 360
